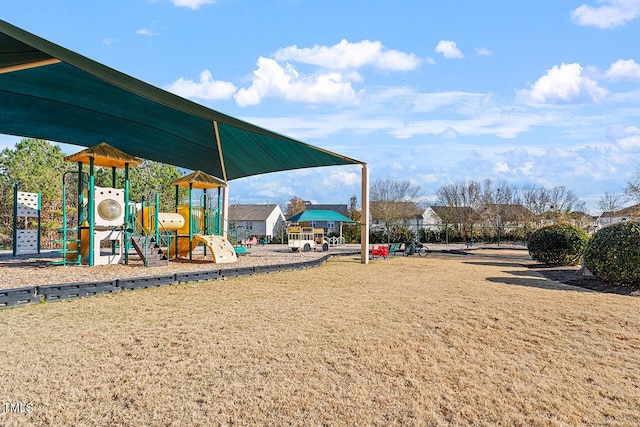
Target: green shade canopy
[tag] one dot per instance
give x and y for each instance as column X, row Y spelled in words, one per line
column 319, row 215
column 49, row 92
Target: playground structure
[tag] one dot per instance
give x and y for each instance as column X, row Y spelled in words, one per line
column 306, row 239
column 189, row 226
column 107, row 224
column 26, row 206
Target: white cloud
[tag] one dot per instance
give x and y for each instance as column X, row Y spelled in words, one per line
column 611, row 13
column 271, row 80
column 623, row 69
column 481, row 51
column 146, row 32
column 564, row 85
column 345, row 55
column 340, row 178
column 628, row 137
column 461, row 102
column 109, row 41
column 207, row 88
column 448, row 49
column 501, row 167
column 191, row 4
column 630, row 143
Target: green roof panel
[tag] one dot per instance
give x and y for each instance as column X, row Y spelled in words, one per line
column 319, row 215
column 49, row 92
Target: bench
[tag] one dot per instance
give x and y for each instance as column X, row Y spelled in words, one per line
column 394, row 247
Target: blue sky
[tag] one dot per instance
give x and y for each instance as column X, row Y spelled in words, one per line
column 540, row 92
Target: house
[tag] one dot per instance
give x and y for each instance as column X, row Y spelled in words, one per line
column 328, row 226
column 434, row 217
column 260, row 220
column 499, row 214
column 406, row 213
column 613, row 217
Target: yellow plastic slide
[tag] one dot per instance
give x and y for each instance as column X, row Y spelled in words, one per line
column 220, row 248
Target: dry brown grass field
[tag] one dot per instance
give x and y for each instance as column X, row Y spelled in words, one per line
column 442, row 340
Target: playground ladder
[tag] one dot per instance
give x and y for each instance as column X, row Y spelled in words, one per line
column 70, row 246
column 149, row 251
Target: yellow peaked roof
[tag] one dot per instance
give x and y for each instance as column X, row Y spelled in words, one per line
column 104, row 155
column 199, row 179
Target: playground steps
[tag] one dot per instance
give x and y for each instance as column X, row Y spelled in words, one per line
column 149, row 251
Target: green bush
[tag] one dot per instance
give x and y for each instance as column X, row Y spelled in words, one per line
column 559, row 244
column 613, row 254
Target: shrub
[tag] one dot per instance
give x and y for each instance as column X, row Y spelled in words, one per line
column 560, row 244
column 613, row 254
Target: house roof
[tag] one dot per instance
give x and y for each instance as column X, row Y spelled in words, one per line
column 258, row 212
column 454, row 214
column 342, row 209
column 624, row 212
column 509, row 212
column 319, row 215
column 49, row 92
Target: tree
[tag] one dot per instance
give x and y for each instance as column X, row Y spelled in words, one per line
column 393, row 200
column 295, row 206
column 38, row 166
column 610, row 203
column 461, row 194
column 536, row 199
column 353, row 211
column 351, row 232
column 633, row 187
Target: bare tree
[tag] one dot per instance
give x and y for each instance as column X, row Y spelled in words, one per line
column 460, row 194
column 610, row 203
column 536, row 199
column 632, row 190
column 561, row 199
column 393, row 200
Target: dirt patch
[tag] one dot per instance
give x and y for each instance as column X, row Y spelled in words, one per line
column 571, row 275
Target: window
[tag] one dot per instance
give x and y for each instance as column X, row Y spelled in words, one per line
column 249, row 225
column 314, row 223
column 331, row 224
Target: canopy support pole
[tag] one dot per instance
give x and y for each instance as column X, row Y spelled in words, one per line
column 364, row 218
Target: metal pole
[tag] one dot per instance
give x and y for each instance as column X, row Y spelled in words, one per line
column 364, row 225
column 205, row 217
column 156, row 218
column 39, row 221
column 225, row 212
column 80, row 211
column 219, row 215
column 446, row 233
column 127, row 223
column 91, row 214
column 176, row 210
column 190, row 222
column 15, row 218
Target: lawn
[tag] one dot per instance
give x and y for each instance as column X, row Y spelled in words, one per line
column 442, row 340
